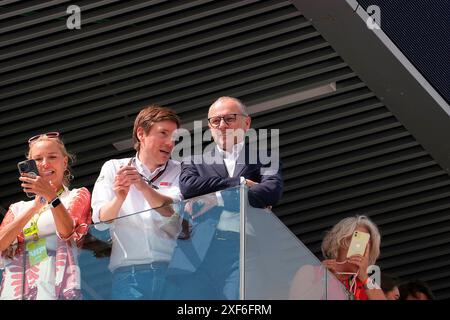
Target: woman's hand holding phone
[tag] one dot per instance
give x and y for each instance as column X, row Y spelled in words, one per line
column 40, row 187
column 362, row 262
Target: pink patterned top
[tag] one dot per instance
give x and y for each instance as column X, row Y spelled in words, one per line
column 58, row 275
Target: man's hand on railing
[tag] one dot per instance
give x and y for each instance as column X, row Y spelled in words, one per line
column 250, row 183
column 197, row 207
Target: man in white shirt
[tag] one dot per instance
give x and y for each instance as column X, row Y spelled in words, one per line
column 123, row 196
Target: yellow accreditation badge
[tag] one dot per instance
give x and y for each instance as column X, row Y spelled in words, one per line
column 37, row 251
column 32, row 230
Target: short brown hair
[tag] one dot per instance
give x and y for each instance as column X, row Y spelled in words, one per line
column 148, row 116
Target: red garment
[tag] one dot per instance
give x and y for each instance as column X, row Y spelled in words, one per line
column 360, row 292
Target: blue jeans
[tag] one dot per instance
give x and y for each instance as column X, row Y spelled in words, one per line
column 217, row 278
column 139, row 282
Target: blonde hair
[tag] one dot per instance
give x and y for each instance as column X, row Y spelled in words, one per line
column 70, row 157
column 340, row 235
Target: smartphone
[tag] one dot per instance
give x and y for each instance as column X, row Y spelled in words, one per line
column 30, row 167
column 358, row 244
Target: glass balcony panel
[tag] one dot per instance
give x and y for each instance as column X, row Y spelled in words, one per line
column 193, row 249
column 44, row 268
column 278, row 265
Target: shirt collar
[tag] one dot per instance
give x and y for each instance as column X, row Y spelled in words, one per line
column 142, row 168
column 234, row 152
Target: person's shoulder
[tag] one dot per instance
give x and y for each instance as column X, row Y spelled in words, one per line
column 174, row 166
column 174, row 163
column 309, row 273
column 193, row 159
column 207, row 157
column 20, row 206
column 308, row 270
column 120, row 161
column 116, row 163
column 80, row 192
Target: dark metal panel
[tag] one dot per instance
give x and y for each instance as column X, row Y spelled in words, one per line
column 316, row 173
column 124, row 21
column 138, row 75
column 214, row 53
column 24, row 7
column 93, row 62
column 5, row 2
column 165, row 28
column 424, row 40
column 254, row 80
column 47, row 30
column 346, row 205
column 402, row 93
column 44, row 15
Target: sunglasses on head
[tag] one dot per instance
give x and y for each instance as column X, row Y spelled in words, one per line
column 48, row 135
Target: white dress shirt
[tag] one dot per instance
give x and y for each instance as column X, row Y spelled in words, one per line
column 229, row 221
column 138, row 238
column 230, row 158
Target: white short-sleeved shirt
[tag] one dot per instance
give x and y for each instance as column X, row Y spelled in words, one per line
column 137, row 238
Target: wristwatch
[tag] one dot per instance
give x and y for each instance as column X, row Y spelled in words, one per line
column 55, row 202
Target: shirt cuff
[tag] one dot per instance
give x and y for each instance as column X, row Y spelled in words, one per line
column 78, row 232
column 220, row 202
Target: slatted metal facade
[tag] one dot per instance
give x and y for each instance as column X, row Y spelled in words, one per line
column 343, row 152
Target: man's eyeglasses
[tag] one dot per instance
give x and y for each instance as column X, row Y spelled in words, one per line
column 228, row 119
column 48, row 135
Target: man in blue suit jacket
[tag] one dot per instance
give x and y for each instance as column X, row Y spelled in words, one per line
column 212, row 253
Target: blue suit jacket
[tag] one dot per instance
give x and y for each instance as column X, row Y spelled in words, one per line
column 207, row 173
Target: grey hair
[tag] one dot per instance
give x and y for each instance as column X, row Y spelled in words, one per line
column 238, row 102
column 340, row 234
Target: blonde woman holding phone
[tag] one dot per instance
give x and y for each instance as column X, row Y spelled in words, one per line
column 39, row 256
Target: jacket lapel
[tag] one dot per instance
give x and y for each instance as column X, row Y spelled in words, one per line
column 241, row 162
column 218, row 164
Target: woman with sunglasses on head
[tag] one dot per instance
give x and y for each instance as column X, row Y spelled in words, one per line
column 37, row 236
